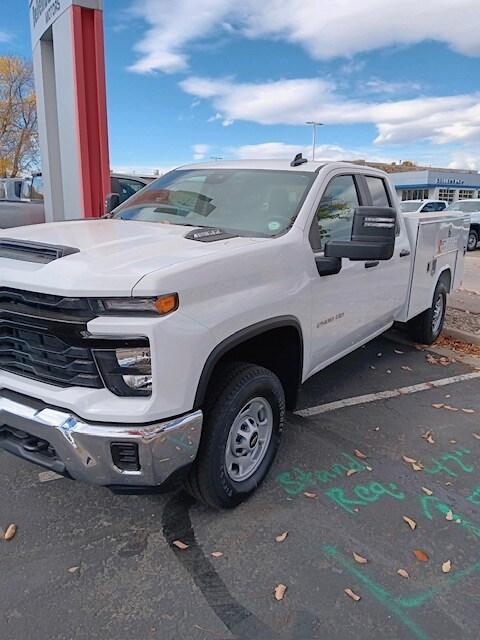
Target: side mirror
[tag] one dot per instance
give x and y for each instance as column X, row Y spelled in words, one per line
column 111, row 202
column 373, row 236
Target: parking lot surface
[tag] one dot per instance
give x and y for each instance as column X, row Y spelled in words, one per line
column 353, row 464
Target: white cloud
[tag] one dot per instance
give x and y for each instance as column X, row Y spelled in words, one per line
column 200, row 151
column 5, row 37
column 325, row 29
column 465, row 160
column 376, row 85
column 281, row 150
column 438, row 119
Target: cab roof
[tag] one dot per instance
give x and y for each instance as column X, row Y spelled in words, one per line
column 277, row 165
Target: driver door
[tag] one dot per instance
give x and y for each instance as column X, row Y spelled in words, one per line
column 343, row 310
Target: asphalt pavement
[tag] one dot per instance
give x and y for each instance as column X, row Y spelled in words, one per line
column 87, row 564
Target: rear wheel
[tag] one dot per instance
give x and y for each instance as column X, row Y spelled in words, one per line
column 426, row 327
column 243, row 424
column 472, row 240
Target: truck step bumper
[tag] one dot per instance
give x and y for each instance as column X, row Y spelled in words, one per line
column 123, row 455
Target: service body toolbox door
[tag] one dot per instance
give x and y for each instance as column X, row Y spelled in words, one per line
column 439, row 242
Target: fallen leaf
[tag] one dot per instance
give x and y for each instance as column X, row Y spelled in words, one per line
column 351, row 594
column 389, row 371
column 282, row 537
column 447, row 484
column 358, row 558
column 447, row 566
column 421, row 555
column 398, row 351
column 180, row 545
column 372, row 367
column 308, row 494
column 431, row 359
column 379, row 355
column 368, row 468
column 280, row 591
column 417, row 466
column 360, row 455
column 468, row 410
column 428, row 436
column 427, row 491
column 449, row 408
column 408, row 460
column 73, row 569
column 438, row 405
column 411, row 523
column 476, row 435
column 377, row 429
column 403, row 573
column 449, row 516
column 216, row 554
column 406, row 368
column 350, row 472
column 10, row 532
column 452, row 441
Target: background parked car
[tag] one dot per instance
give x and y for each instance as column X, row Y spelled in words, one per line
column 11, row 188
column 472, row 207
column 422, row 206
column 30, row 208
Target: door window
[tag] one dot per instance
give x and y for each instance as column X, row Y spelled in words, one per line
column 128, row 188
column 378, row 191
column 334, row 217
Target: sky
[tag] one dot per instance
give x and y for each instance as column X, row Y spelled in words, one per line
column 198, row 79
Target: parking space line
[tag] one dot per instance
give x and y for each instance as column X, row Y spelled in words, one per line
column 384, row 395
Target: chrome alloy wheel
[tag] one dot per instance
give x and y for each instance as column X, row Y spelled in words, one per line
column 248, row 439
column 437, row 315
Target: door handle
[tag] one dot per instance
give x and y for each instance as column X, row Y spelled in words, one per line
column 404, row 253
column 374, row 263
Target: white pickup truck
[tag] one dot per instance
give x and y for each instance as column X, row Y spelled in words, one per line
column 166, row 343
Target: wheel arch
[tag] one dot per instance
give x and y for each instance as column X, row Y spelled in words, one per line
column 258, row 344
column 445, row 277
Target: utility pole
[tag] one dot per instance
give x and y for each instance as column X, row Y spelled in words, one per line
column 314, row 126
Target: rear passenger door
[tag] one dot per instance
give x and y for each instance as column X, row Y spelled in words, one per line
column 390, row 277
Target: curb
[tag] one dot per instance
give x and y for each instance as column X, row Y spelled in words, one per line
column 458, row 334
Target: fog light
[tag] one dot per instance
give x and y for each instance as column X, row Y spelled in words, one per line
column 126, row 371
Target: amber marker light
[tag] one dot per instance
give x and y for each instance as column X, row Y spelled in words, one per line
column 167, row 303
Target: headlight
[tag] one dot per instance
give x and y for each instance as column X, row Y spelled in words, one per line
column 160, row 305
column 126, row 372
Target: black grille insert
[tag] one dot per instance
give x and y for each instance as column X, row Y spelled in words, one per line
column 42, row 337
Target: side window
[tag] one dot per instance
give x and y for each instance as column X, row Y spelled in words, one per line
column 37, row 188
column 334, row 217
column 128, row 188
column 441, row 206
column 430, row 206
column 378, row 191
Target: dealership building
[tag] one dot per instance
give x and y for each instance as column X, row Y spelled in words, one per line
column 436, row 184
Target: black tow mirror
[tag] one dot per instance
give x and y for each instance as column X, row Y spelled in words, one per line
column 111, row 202
column 373, row 236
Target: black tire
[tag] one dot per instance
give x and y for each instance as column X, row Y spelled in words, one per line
column 472, row 240
column 230, row 391
column 422, row 328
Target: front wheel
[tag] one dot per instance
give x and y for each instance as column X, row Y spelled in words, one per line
column 241, row 433
column 426, row 327
column 472, row 240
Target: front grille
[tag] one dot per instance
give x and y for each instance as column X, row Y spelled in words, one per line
column 41, row 337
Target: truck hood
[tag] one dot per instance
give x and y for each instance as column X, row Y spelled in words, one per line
column 111, row 257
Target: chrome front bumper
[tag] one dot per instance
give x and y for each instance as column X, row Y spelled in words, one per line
column 82, row 449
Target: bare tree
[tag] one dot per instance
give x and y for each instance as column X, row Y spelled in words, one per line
column 18, row 117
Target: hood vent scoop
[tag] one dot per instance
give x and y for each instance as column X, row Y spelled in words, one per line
column 33, row 251
column 209, row 234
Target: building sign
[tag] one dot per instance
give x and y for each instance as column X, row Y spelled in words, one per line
column 449, row 181
column 43, row 13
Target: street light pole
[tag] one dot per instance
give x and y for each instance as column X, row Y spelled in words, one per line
column 314, row 126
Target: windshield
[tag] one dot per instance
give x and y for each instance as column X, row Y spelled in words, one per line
column 244, row 201
column 467, row 205
column 409, row 206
